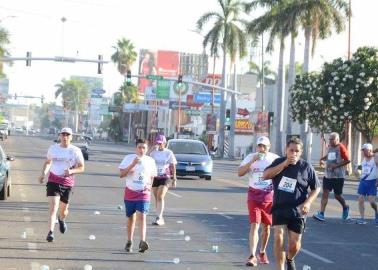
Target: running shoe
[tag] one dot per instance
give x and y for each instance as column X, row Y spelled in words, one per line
column 252, row 261
column 319, row 216
column 361, row 221
column 62, row 226
column 50, row 237
column 290, row 264
column 128, row 246
column 158, row 221
column 346, row 213
column 143, row 246
column 263, row 258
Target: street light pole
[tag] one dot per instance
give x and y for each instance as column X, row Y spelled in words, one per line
column 63, row 20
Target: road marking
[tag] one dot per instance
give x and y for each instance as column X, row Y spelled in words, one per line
column 32, row 247
column 23, row 200
column 320, row 258
column 174, row 194
column 224, row 215
column 27, row 219
column 25, row 210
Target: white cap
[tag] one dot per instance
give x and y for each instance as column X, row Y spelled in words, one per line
column 66, row 130
column 367, row 146
column 263, row 140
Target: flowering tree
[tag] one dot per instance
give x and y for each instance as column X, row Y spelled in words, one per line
column 343, row 91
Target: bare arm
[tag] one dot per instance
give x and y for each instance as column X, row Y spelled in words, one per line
column 79, row 169
column 245, row 168
column 273, row 171
column 45, row 170
column 305, row 208
column 128, row 169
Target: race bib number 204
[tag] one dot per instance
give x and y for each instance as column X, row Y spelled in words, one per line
column 287, row 184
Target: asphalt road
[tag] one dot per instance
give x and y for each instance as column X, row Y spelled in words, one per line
column 207, row 213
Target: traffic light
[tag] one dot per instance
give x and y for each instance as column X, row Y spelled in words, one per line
column 15, row 96
column 128, row 78
column 99, row 65
column 227, row 122
column 28, row 60
column 179, row 80
column 42, row 99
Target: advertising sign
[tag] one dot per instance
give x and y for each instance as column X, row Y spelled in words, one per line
column 243, row 126
column 147, row 66
column 168, row 63
column 206, row 97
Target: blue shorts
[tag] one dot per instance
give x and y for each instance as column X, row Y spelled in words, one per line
column 367, row 188
column 132, row 206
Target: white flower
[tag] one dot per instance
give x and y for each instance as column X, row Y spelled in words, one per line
column 341, row 101
column 366, row 108
column 336, row 78
column 343, row 95
column 337, row 93
column 369, row 95
column 341, row 105
column 351, row 91
column 362, row 65
column 345, row 114
column 344, row 79
column 362, row 74
column 366, row 100
column 371, row 79
column 342, row 117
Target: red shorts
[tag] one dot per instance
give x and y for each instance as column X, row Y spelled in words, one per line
column 260, row 212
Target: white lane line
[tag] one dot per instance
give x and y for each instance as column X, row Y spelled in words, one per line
column 32, row 247
column 23, row 200
column 27, row 219
column 316, row 256
column 218, row 225
column 174, row 194
column 25, row 210
column 224, row 215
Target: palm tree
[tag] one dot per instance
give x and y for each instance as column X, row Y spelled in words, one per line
column 226, row 23
column 74, row 95
column 4, row 41
column 318, row 20
column 124, row 57
column 268, row 72
column 278, row 23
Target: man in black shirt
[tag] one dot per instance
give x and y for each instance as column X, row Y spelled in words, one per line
column 291, row 177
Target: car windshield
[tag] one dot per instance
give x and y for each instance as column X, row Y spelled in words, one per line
column 193, row 148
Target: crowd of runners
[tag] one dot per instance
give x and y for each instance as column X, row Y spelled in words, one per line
column 281, row 190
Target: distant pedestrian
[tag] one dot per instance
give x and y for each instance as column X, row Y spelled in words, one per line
column 368, row 182
column 334, row 176
column 139, row 171
column 291, row 177
column 260, row 197
column 63, row 161
column 166, row 175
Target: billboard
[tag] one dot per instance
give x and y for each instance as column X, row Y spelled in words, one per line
column 163, row 63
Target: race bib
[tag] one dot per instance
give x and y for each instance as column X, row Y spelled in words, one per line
column 332, row 156
column 138, row 182
column 287, row 184
column 161, row 170
column 258, row 182
column 366, row 170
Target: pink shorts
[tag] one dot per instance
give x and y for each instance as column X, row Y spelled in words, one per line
column 260, row 212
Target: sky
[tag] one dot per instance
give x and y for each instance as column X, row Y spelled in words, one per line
column 92, row 27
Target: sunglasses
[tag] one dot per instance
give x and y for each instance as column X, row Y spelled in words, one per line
column 65, row 134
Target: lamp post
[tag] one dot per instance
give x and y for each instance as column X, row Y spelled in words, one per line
column 63, row 20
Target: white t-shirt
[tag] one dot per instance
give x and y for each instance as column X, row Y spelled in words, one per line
column 140, row 178
column 257, row 169
column 64, row 158
column 163, row 161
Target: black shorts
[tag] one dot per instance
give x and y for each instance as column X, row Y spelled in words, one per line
column 54, row 189
column 289, row 217
column 161, row 182
column 335, row 184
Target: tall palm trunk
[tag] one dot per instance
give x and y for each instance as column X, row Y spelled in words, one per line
column 280, row 98
column 305, row 131
column 222, row 110
column 232, row 117
column 291, row 80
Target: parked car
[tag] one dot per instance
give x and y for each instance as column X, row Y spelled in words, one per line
column 3, row 134
column 80, row 141
column 5, row 179
column 192, row 156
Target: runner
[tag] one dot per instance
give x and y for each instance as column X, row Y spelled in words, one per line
column 63, row 161
column 260, row 197
column 139, row 170
column 334, row 176
column 291, row 177
column 368, row 182
column 166, row 168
